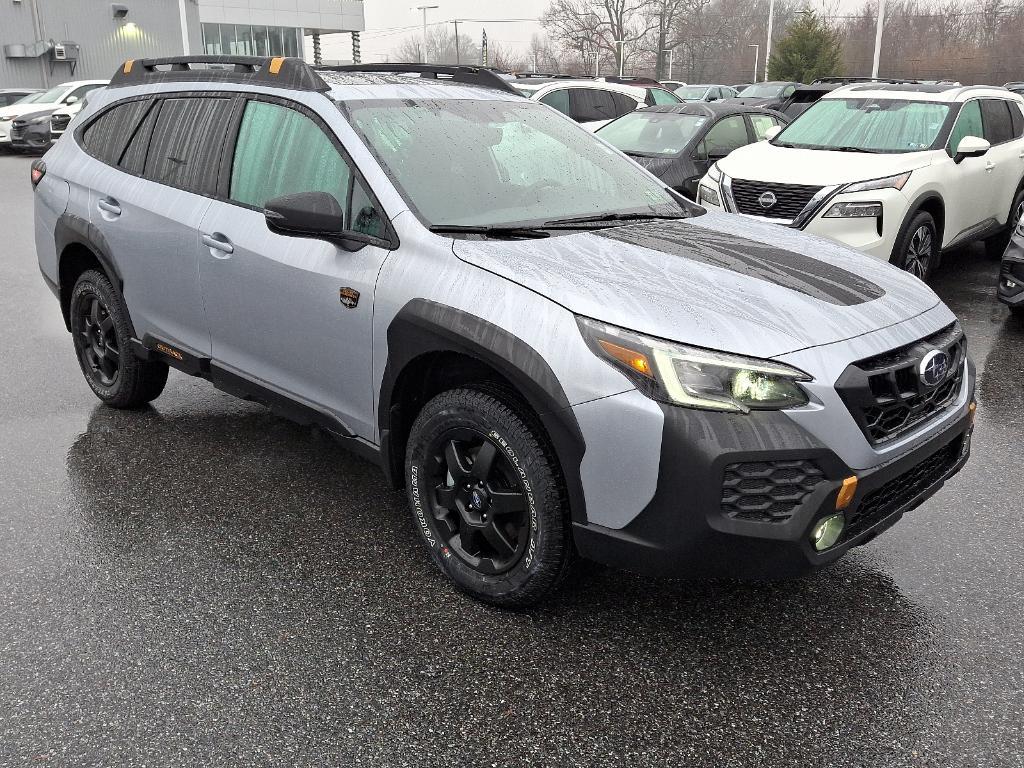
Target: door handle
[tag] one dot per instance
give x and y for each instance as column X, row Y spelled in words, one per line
column 218, row 242
column 989, row 166
column 109, row 205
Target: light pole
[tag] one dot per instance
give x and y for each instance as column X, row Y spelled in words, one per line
column 426, row 8
column 669, row 51
column 622, row 54
column 768, row 46
column 457, row 56
column 878, row 37
column 757, row 52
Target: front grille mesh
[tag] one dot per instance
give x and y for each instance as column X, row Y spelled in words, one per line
column 59, row 122
column 902, row 490
column 768, row 491
column 791, row 199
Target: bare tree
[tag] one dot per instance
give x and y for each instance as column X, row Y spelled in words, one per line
column 596, row 25
column 440, row 48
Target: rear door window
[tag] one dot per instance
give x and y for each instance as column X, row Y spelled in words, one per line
column 588, row 105
column 998, row 122
column 106, row 137
column 623, row 104
column 558, row 99
column 1016, row 120
column 187, row 141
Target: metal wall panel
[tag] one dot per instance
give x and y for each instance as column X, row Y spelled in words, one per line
column 152, row 28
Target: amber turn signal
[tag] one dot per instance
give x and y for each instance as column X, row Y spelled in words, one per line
column 635, row 360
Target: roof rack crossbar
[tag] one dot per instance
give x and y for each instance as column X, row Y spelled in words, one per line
column 277, row 71
column 467, row 75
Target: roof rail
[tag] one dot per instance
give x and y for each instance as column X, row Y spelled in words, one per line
column 277, row 71
column 467, row 75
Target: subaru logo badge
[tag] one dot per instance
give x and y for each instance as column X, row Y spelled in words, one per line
column 767, row 199
column 933, row 368
column 476, row 500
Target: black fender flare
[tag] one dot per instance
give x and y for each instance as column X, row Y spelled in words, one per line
column 422, row 327
column 73, row 230
column 912, row 210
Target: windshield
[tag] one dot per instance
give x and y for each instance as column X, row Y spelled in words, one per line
column 53, row 94
column 652, row 134
column 32, row 97
column 691, row 92
column 871, row 125
column 762, row 91
column 499, row 163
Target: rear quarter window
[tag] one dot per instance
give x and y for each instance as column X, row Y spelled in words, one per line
column 105, row 137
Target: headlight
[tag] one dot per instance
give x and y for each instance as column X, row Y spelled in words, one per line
column 889, row 182
column 853, row 211
column 706, row 194
column 715, row 173
column 695, row 377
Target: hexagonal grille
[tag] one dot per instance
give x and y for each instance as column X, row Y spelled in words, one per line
column 768, row 491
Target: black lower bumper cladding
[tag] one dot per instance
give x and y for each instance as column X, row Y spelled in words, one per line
column 691, row 529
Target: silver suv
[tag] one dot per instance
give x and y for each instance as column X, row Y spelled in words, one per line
column 551, row 351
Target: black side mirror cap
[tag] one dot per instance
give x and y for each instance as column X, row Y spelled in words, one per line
column 317, row 215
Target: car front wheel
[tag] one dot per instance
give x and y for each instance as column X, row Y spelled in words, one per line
column 486, row 497
column 917, row 249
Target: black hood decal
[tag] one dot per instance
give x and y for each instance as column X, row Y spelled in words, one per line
column 811, row 277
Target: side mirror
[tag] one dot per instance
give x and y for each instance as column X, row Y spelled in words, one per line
column 971, row 146
column 71, row 100
column 317, row 215
column 772, row 132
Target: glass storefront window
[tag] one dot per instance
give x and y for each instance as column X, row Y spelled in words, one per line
column 246, row 40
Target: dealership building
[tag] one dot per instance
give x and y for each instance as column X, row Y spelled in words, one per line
column 45, row 42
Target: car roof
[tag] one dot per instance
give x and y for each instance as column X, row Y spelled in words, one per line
column 937, row 92
column 636, row 91
column 712, row 109
column 73, row 83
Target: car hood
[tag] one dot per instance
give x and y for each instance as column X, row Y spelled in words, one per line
column 34, row 114
column 763, row 161
column 716, row 280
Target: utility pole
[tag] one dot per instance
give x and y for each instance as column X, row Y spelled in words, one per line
column 457, row 59
column 425, row 8
column 757, row 52
column 483, row 49
column 768, row 47
column 357, row 56
column 622, row 55
column 878, row 37
column 669, row 51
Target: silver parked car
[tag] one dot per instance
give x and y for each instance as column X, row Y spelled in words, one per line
column 551, row 351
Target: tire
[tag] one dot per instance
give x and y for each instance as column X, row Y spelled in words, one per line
column 917, row 247
column 102, row 337
column 511, row 558
column 995, row 246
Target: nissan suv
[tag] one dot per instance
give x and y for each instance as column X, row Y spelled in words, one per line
column 899, row 171
column 552, row 352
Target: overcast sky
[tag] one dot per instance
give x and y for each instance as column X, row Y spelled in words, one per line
column 388, row 22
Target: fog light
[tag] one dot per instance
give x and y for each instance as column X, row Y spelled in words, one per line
column 827, row 531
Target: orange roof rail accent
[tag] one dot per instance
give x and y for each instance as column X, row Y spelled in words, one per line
column 275, row 65
column 128, row 65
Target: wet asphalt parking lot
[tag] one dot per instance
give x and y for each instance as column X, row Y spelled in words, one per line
column 204, row 583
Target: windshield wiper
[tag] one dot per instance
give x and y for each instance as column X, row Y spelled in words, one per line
column 515, row 233
column 851, row 149
column 609, row 217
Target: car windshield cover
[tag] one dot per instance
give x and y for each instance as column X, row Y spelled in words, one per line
column 872, row 125
column 500, row 163
column 691, row 92
column 53, row 94
column 31, row 98
column 653, row 134
column 761, row 91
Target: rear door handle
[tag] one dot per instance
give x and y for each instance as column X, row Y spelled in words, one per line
column 109, row 205
column 218, row 242
column 989, row 165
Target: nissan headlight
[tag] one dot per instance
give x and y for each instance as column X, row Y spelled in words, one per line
column 694, row 377
column 715, row 173
column 889, row 182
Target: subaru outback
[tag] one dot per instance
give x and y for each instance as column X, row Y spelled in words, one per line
column 553, row 353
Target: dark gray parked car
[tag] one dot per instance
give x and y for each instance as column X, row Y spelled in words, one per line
column 678, row 143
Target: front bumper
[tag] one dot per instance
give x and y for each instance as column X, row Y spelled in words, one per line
column 1011, row 275
column 685, row 530
column 31, row 137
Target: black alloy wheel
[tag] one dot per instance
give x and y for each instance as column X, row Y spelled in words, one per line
column 98, row 347
column 479, row 503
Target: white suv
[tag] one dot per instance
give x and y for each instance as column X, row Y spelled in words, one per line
column 898, row 171
column 592, row 103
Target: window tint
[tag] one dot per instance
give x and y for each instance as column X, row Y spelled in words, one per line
column 725, row 136
column 133, row 160
column 281, row 152
column 106, row 136
column 998, row 124
column 623, row 103
column 590, row 104
column 661, row 96
column 1017, row 120
column 968, row 123
column 185, row 149
column 761, row 124
column 558, row 99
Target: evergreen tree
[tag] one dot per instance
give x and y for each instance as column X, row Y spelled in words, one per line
column 810, row 49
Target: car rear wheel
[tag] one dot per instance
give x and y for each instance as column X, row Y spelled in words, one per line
column 102, row 339
column 995, row 246
column 486, row 497
column 917, row 249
